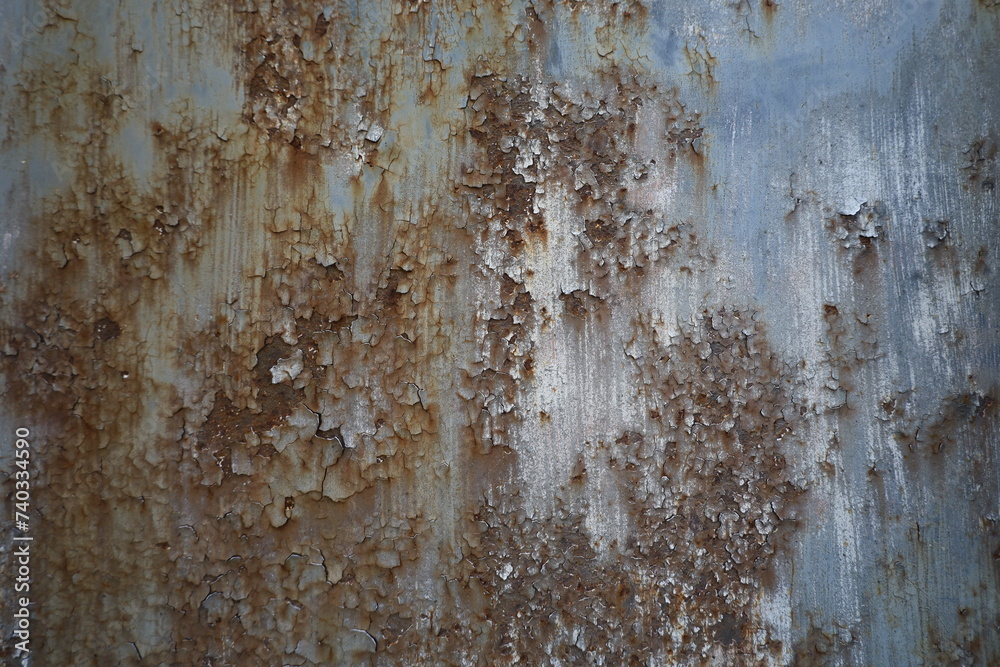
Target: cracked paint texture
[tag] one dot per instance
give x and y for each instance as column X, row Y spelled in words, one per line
column 530, row 332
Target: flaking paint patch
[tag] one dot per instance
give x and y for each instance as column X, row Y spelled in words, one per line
column 428, row 343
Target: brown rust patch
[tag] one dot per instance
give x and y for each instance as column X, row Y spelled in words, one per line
column 981, row 156
column 227, row 425
column 106, row 329
column 533, row 136
column 580, row 303
column 711, row 499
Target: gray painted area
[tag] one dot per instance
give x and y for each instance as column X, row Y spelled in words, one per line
column 560, row 333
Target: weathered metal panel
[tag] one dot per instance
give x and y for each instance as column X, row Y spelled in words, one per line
column 550, row 332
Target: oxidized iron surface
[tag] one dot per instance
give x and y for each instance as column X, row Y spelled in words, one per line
column 545, row 333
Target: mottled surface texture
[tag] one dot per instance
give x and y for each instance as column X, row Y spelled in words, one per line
column 541, row 332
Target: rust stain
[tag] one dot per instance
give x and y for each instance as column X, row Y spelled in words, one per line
column 712, row 501
column 287, row 353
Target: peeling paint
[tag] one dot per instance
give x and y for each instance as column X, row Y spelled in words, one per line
column 531, row 332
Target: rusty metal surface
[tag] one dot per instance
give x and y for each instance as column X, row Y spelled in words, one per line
column 545, row 333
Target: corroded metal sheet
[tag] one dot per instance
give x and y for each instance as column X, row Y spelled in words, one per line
column 543, row 333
